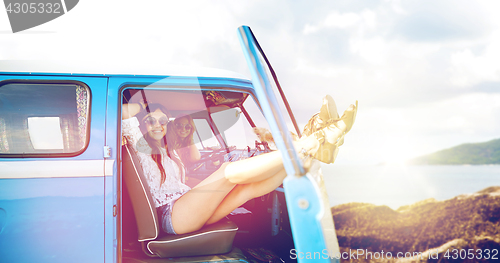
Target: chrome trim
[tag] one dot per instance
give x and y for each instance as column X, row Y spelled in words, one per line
column 55, row 169
column 193, row 236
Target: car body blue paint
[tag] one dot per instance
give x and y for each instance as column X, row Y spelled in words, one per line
column 49, row 218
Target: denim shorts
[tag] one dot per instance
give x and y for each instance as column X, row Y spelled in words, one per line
column 165, row 216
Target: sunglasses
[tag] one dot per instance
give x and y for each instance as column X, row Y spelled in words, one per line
column 180, row 126
column 152, row 121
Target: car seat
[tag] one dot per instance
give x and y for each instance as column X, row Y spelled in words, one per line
column 213, row 239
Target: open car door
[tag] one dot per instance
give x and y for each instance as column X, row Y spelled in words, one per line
column 307, row 201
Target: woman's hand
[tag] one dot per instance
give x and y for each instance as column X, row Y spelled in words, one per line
column 130, row 110
column 143, row 104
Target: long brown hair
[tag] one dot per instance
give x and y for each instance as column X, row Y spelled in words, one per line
column 155, row 148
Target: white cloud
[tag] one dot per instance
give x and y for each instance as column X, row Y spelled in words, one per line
column 468, row 69
column 341, row 20
column 395, row 5
column 350, row 20
column 308, row 29
column 374, row 50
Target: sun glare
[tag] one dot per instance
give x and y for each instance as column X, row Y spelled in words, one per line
column 398, row 152
column 395, row 159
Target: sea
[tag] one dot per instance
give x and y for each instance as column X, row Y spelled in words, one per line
column 398, row 185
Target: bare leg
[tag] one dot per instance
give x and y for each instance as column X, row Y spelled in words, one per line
column 261, row 167
column 193, row 209
column 196, row 207
column 254, row 169
column 261, row 175
column 244, row 192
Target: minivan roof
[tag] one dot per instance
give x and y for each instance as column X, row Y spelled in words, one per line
column 117, row 68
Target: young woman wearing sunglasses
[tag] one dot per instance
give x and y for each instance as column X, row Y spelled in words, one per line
column 180, row 131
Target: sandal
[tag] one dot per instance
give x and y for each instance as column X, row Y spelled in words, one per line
column 329, row 142
column 328, row 149
column 327, row 115
column 349, row 116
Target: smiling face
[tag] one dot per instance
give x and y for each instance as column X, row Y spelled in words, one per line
column 156, row 124
column 182, row 127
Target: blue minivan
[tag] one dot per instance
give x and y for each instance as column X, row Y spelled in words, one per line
column 70, row 191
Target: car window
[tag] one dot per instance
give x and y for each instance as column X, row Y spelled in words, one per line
column 41, row 118
column 234, row 128
column 221, row 133
column 219, row 120
column 203, row 136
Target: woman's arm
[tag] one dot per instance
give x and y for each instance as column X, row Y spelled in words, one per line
column 189, row 154
column 193, row 152
column 130, row 110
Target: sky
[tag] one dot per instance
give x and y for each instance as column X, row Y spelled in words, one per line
column 426, row 74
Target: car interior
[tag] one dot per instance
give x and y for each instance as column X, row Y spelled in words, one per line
column 224, row 120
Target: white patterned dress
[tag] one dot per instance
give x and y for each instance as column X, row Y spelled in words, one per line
column 164, row 195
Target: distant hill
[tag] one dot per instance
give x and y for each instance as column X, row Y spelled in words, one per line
column 469, row 153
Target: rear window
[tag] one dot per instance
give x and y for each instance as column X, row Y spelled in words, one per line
column 43, row 119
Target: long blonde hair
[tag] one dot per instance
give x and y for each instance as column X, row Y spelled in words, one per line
column 184, row 142
column 179, row 143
